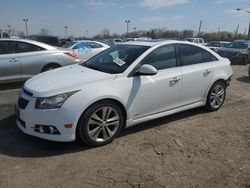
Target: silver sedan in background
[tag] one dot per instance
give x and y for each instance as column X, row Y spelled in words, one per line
column 21, row 59
column 85, row 49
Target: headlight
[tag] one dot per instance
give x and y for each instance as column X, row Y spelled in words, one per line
column 53, row 102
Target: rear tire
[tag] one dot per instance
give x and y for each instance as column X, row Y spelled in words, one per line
column 216, row 96
column 244, row 60
column 50, row 67
column 101, row 123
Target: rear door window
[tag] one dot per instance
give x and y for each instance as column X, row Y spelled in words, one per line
column 190, row 54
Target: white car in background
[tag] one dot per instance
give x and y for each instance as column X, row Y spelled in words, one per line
column 21, row 59
column 85, row 49
column 127, row 84
column 196, row 40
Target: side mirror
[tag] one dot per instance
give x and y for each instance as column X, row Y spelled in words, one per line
column 146, row 70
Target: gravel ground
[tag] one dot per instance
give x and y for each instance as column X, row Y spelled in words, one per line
column 190, row 149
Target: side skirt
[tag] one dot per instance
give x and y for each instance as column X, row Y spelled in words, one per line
column 133, row 122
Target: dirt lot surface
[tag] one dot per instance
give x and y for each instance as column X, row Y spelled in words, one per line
column 189, row 149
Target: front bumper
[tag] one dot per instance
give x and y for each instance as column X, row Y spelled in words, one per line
column 28, row 118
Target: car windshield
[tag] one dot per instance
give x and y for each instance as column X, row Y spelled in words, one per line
column 69, row 44
column 115, row 59
column 190, row 40
column 238, row 45
column 225, row 44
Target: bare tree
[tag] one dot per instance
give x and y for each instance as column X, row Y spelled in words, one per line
column 20, row 34
column 44, row 32
column 106, row 33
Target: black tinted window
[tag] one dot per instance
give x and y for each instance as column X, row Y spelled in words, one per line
column 191, row 54
column 207, row 57
column 26, row 47
column 162, row 58
column 54, row 41
column 7, row 47
column 94, row 45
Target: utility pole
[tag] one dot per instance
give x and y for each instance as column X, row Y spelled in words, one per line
column 127, row 21
column 199, row 32
column 87, row 33
column 248, row 36
column 26, row 26
column 9, row 29
column 66, row 31
column 237, row 30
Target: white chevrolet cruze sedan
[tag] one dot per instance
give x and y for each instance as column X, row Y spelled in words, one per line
column 122, row 86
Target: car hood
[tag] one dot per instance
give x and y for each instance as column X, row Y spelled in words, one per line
column 65, row 79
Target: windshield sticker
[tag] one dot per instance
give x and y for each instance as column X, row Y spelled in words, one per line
column 119, row 62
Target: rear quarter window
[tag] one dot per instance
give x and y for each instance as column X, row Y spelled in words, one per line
column 194, row 55
column 208, row 57
column 24, row 47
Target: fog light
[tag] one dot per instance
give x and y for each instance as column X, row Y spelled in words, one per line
column 40, row 129
column 46, row 129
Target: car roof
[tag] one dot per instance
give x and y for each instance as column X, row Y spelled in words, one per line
column 246, row 41
column 151, row 43
column 79, row 41
column 43, row 45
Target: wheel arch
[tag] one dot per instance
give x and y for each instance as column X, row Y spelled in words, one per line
column 116, row 101
column 213, row 82
column 50, row 64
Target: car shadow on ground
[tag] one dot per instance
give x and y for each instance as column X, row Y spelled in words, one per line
column 7, row 86
column 14, row 143
column 245, row 79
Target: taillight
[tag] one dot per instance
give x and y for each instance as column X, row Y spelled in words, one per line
column 71, row 55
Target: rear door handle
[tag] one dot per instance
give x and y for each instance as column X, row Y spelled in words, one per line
column 207, row 72
column 14, row 60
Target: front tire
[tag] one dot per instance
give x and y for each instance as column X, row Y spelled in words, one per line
column 216, row 96
column 101, row 123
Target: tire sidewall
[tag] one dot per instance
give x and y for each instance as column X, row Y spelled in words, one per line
column 244, row 60
column 50, row 67
column 83, row 123
column 208, row 104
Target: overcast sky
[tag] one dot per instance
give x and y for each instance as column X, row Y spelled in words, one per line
column 95, row 15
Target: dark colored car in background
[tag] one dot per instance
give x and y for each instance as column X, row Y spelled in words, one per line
column 237, row 51
column 51, row 40
column 215, row 45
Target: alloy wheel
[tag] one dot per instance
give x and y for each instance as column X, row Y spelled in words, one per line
column 217, row 96
column 103, row 124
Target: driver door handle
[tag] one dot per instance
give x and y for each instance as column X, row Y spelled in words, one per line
column 14, row 60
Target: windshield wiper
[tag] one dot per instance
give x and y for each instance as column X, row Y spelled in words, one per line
column 96, row 68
